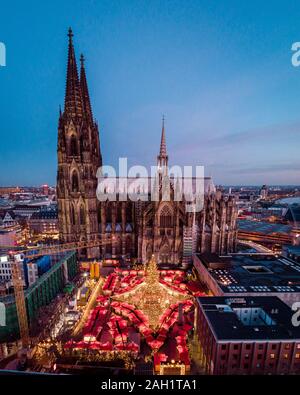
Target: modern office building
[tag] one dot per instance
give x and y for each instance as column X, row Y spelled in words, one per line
column 245, row 335
column 29, row 270
column 250, row 275
column 41, row 293
column 6, row 272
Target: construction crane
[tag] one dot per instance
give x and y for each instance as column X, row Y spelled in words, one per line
column 17, row 279
column 20, row 302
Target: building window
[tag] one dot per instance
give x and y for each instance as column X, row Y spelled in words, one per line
column 82, row 216
column 73, row 146
column 272, row 356
column 72, row 215
column 75, row 182
column 165, row 218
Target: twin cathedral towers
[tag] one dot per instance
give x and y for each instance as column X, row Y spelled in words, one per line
column 134, row 229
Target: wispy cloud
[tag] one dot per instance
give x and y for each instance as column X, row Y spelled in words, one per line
column 281, row 132
column 283, row 167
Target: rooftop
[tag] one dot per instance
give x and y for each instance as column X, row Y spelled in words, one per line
column 249, row 318
column 45, row 214
column 293, row 213
column 265, row 228
column 253, row 273
column 147, row 184
column 295, row 250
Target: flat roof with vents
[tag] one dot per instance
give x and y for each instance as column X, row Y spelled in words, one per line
column 249, row 318
column 250, row 273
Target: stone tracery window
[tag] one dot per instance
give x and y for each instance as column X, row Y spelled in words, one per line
column 82, row 215
column 75, row 181
column 165, row 220
column 73, row 146
column 72, row 215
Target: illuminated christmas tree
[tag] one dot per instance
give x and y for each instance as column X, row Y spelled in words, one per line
column 152, row 297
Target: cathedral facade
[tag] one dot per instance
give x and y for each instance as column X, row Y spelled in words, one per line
column 134, row 228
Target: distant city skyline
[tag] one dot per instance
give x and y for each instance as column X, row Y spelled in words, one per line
column 221, row 73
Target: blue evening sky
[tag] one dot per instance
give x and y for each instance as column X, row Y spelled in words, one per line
column 220, row 71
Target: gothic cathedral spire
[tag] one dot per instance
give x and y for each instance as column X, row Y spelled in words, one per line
column 73, row 100
column 163, row 146
column 85, row 92
column 79, row 156
column 162, row 159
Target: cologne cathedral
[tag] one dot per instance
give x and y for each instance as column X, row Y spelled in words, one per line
column 132, row 228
